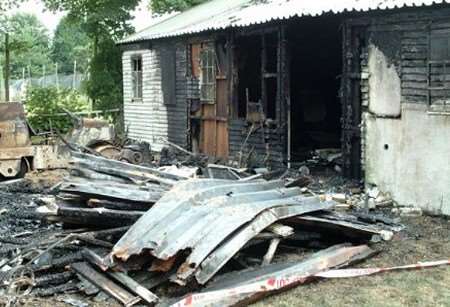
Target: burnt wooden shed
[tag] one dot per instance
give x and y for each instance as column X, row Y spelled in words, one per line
column 281, row 77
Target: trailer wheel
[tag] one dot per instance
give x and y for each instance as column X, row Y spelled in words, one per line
column 24, row 168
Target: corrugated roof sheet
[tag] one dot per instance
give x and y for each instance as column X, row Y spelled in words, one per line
column 222, row 14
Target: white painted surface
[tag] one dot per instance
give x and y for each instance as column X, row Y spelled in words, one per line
column 384, row 85
column 148, row 119
column 415, row 168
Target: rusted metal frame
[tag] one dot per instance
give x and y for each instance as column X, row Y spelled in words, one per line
column 183, row 196
column 198, row 226
column 238, row 289
column 227, row 250
column 104, row 283
column 16, row 153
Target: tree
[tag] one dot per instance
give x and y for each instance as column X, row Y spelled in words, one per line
column 29, row 45
column 70, row 44
column 167, row 6
column 104, row 22
column 24, row 44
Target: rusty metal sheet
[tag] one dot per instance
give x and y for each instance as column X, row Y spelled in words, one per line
column 16, row 153
column 248, row 286
column 109, row 190
column 11, row 112
column 204, row 228
column 216, row 260
column 153, row 228
column 123, row 169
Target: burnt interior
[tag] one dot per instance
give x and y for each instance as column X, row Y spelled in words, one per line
column 249, row 68
column 315, row 68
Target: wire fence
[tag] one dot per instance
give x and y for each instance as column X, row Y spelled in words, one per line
column 18, row 88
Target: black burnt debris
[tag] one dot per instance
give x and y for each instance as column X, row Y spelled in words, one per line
column 149, row 234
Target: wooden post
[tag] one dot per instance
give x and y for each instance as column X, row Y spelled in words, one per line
column 6, row 68
column 74, row 74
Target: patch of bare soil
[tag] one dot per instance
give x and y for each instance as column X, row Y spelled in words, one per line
column 425, row 239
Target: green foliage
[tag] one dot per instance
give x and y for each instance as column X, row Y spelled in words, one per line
column 105, row 84
column 70, row 44
column 41, row 102
column 29, row 45
column 99, row 17
column 104, row 22
column 167, row 6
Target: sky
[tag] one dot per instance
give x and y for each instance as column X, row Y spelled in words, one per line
column 142, row 16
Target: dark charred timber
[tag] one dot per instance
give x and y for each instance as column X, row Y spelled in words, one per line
column 134, row 287
column 96, row 217
column 119, row 205
column 53, row 279
column 105, row 284
column 65, row 288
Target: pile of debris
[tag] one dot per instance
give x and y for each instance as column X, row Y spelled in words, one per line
column 144, row 235
column 105, row 192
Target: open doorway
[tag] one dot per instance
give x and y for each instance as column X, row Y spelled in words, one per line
column 315, row 68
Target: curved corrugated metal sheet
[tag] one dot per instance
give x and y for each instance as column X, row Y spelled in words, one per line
column 222, row 14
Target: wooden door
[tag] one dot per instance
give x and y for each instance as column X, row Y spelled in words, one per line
column 213, row 113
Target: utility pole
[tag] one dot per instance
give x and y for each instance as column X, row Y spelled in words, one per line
column 6, row 68
column 74, row 74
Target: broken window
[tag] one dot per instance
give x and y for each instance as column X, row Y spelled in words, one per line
column 208, row 75
column 136, row 82
column 168, row 74
column 439, row 68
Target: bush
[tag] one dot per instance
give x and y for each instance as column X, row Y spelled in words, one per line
column 43, row 104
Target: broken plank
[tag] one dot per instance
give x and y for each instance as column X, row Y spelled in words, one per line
column 96, row 217
column 268, row 257
column 105, row 284
column 134, row 287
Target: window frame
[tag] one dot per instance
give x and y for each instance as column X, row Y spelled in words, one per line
column 137, row 76
column 207, row 80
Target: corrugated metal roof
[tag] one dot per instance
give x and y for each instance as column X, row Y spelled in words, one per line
column 222, row 14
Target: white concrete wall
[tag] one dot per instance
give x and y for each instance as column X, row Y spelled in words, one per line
column 408, row 157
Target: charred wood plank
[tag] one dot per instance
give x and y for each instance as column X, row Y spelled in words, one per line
column 105, row 284
column 268, row 257
column 134, row 287
column 96, row 217
column 118, row 205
